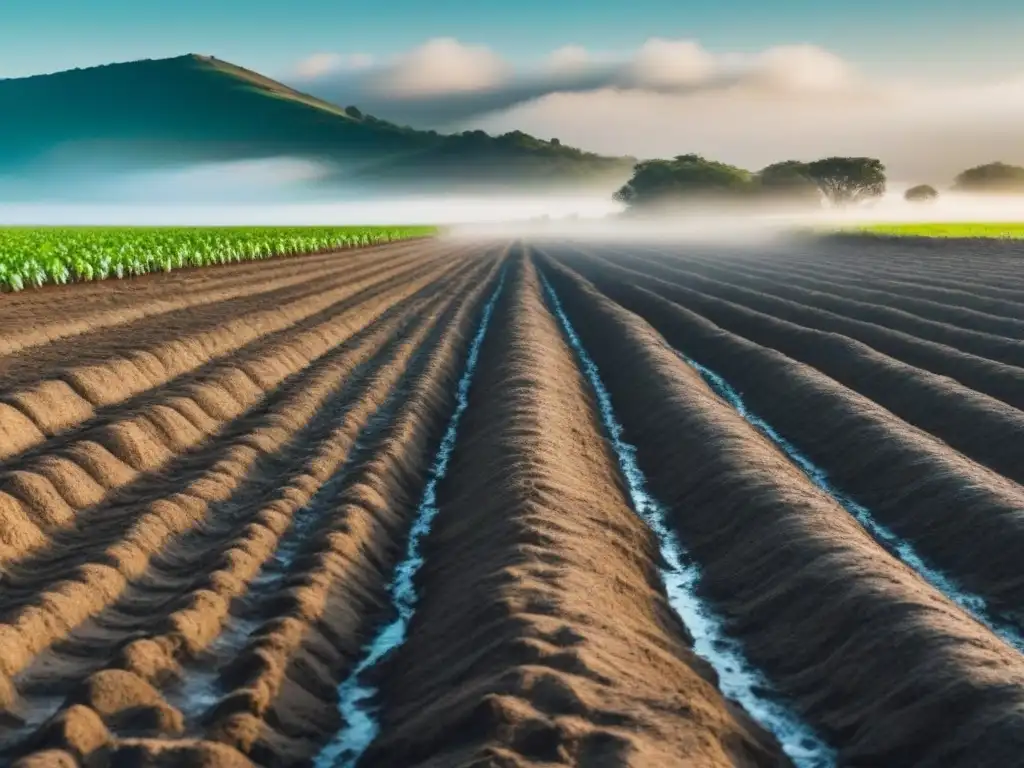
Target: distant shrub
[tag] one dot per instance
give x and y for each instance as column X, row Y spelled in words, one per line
column 790, row 181
column 922, row 193
column 354, row 112
column 991, row 178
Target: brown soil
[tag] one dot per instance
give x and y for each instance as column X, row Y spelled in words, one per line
column 35, row 318
column 281, row 705
column 549, row 634
column 870, row 652
column 208, row 478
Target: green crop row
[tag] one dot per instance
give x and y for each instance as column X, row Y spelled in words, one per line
column 955, row 229
column 36, row 256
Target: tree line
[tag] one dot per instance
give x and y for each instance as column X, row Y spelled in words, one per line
column 836, row 181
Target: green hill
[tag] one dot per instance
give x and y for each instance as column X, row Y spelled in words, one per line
column 176, row 112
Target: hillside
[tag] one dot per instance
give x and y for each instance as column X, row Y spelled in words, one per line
column 176, row 112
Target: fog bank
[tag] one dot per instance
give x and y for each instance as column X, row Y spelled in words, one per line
column 440, row 210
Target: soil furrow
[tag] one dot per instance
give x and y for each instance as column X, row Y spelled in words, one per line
column 56, row 401
column 956, row 256
column 74, row 398
column 94, row 470
column 903, row 478
column 104, row 524
column 982, row 260
column 989, row 346
column 1003, row 382
column 889, row 670
column 189, row 611
column 57, row 415
column 943, row 312
column 978, row 268
column 282, row 703
column 97, row 345
column 917, row 279
column 221, row 350
column 965, row 294
column 543, row 634
column 34, row 323
column 158, row 285
column 956, row 300
column 110, row 559
column 981, row 427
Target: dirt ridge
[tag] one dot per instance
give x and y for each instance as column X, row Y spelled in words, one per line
column 885, row 666
column 510, row 659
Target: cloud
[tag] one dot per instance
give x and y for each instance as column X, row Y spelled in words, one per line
column 444, row 81
column 568, row 58
column 441, row 65
column 925, row 133
column 670, row 63
column 673, row 96
column 800, row 68
column 320, row 64
column 359, row 61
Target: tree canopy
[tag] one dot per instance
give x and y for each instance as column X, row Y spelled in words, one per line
column 789, row 180
column 840, row 180
column 848, row 180
column 993, row 178
column 922, row 193
column 685, row 176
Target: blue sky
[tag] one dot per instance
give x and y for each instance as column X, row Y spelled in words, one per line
column 918, row 36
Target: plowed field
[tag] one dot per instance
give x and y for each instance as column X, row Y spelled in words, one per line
column 519, row 504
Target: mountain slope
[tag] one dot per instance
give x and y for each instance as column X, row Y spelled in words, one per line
column 197, row 109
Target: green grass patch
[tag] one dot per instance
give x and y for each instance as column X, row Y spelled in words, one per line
column 37, row 256
column 1004, row 230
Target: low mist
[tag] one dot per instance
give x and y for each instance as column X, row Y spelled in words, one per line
column 273, row 191
column 727, row 224
column 439, row 210
column 293, row 191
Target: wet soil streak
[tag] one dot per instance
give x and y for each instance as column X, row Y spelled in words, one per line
column 903, row 549
column 999, row 380
column 883, row 665
column 354, row 413
column 354, row 694
column 283, row 700
column 979, row 426
column 917, row 497
column 543, row 634
column 738, row 679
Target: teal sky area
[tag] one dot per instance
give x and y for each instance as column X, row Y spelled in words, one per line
column 940, row 37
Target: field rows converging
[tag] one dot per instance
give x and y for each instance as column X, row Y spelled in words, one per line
column 518, row 504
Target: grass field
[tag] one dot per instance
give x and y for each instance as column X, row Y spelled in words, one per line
column 453, row 502
column 36, row 256
column 955, row 229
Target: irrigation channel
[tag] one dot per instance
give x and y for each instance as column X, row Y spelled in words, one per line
column 681, row 574
column 354, row 695
column 904, row 550
column 486, row 503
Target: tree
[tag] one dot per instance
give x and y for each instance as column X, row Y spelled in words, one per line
column 354, row 112
column 686, row 177
column 555, row 143
column 922, row 193
column 789, row 180
column 992, row 178
column 848, row 180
